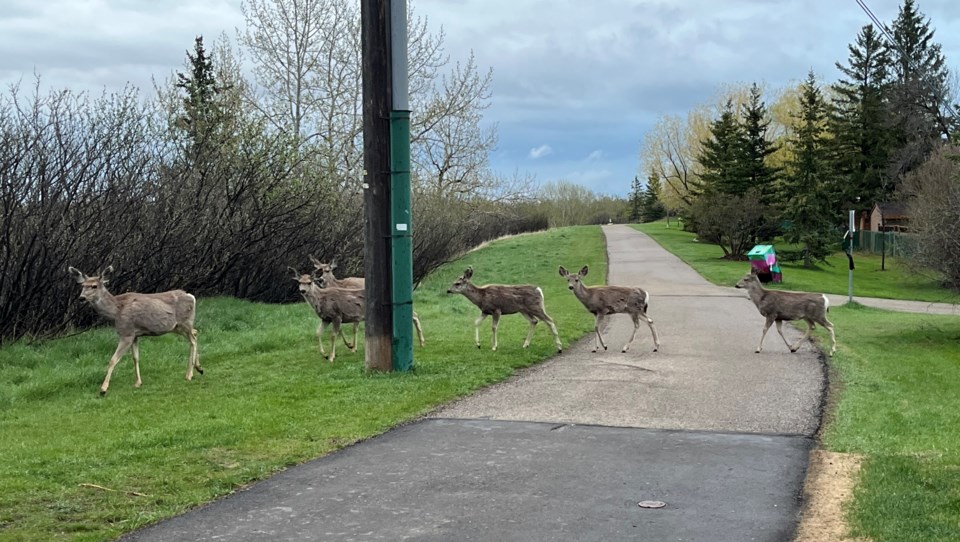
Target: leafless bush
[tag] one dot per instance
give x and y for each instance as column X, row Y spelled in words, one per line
column 933, row 192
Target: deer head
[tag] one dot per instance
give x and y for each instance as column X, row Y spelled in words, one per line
column 91, row 288
column 748, row 280
column 462, row 282
column 304, row 281
column 573, row 280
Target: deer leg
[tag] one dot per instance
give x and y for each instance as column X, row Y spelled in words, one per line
column 653, row 331
column 136, row 362
column 418, row 328
column 193, row 350
column 496, row 324
column 333, row 340
column 553, row 329
column 356, row 326
column 193, row 359
column 533, row 326
column 636, row 326
column 796, row 346
column 476, row 328
column 125, row 343
column 833, row 337
column 596, row 328
column 351, row 347
column 766, row 326
column 320, row 329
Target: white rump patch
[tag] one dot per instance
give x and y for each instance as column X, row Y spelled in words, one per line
column 826, row 302
column 539, row 291
column 646, row 297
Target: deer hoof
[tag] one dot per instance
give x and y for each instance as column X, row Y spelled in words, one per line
column 103, row 392
column 604, row 347
column 757, row 351
column 559, row 350
column 199, row 370
column 624, row 351
column 793, row 350
column 594, row 351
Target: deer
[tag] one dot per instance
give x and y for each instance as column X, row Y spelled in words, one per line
column 328, row 280
column 777, row 306
column 334, row 306
column 496, row 300
column 135, row 315
column 602, row 301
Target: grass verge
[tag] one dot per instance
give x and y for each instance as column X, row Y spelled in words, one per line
column 898, row 406
column 268, row 399
column 896, row 282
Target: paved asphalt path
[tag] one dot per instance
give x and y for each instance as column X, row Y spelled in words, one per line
column 566, row 450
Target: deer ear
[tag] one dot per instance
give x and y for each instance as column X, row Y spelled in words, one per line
column 563, row 271
column 333, row 265
column 468, row 273
column 583, row 271
column 314, row 261
column 105, row 274
column 296, row 275
column 76, row 274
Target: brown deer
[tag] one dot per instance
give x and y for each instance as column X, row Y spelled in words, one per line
column 499, row 299
column 328, row 280
column 777, row 306
column 334, row 306
column 135, row 315
column 604, row 300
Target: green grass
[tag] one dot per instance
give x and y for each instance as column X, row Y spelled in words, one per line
column 896, row 282
column 899, row 406
column 267, row 400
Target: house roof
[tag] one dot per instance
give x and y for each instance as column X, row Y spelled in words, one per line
column 893, row 210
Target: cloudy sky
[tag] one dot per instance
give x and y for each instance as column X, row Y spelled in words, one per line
column 576, row 83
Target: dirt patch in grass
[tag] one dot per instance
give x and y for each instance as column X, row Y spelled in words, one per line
column 831, row 477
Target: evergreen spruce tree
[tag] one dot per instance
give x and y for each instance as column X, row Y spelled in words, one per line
column 859, row 122
column 754, row 167
column 636, row 200
column 920, row 87
column 202, row 113
column 652, row 207
column 808, row 186
column 721, row 157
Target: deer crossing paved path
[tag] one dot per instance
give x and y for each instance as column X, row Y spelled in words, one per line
column 567, row 449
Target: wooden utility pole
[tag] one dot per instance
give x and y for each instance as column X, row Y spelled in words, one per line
column 376, row 58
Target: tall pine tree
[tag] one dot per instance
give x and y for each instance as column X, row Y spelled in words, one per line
column 636, row 200
column 859, row 122
column 808, row 183
column 721, row 158
column 202, row 115
column 919, row 90
column 754, row 166
column 652, row 207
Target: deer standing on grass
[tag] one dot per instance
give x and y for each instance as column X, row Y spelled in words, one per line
column 777, row 306
column 334, row 306
column 604, row 300
column 135, row 315
column 328, row 280
column 498, row 299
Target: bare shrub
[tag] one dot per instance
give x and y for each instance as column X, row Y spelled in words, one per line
column 933, row 192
